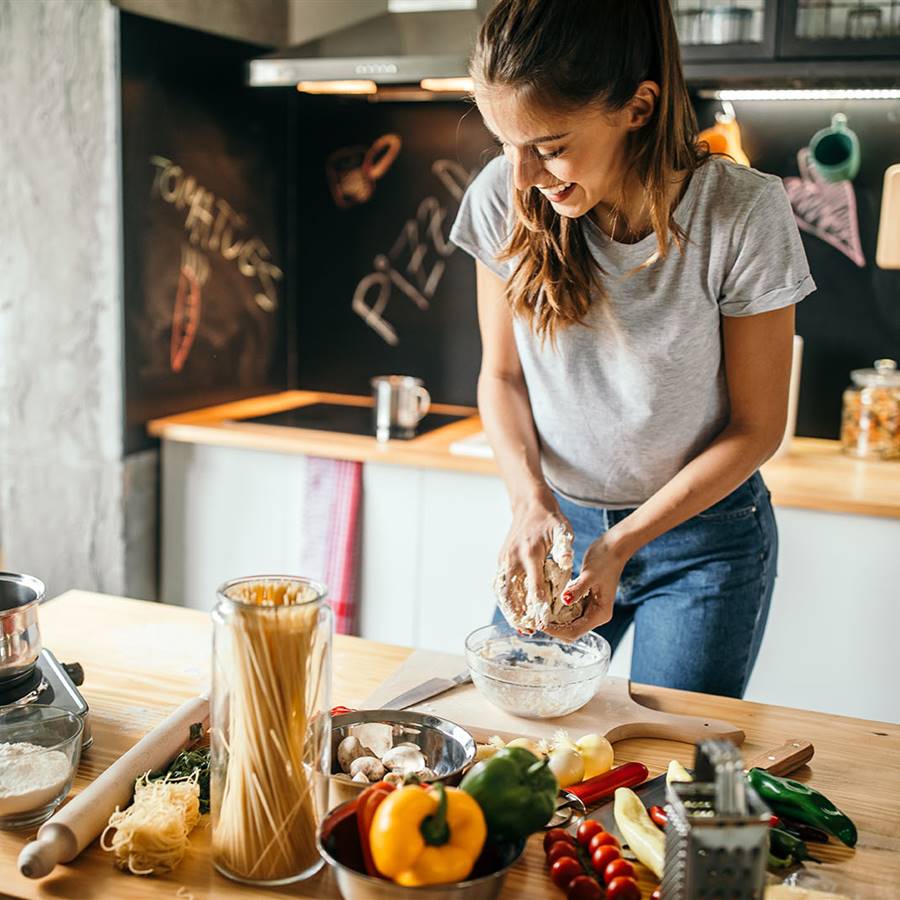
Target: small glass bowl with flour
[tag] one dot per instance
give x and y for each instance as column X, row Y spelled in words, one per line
column 537, row 676
column 40, row 747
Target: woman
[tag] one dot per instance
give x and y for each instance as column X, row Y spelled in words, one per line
column 635, row 299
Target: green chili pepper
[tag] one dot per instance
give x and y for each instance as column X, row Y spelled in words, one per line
column 802, row 803
column 515, row 790
column 784, row 846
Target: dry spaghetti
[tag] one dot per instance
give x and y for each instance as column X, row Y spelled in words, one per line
column 266, row 749
column 151, row 835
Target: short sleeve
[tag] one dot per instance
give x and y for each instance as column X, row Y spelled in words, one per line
column 482, row 225
column 769, row 268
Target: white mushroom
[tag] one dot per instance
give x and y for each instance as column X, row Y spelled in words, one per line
column 394, row 778
column 378, row 736
column 348, row 750
column 404, row 759
column 368, row 766
column 360, row 777
column 426, row 774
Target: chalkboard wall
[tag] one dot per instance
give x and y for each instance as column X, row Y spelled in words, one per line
column 379, row 290
column 854, row 316
column 203, row 190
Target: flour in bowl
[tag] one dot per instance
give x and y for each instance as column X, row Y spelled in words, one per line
column 30, row 776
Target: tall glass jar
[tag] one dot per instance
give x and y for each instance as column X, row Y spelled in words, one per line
column 271, row 727
column 870, row 424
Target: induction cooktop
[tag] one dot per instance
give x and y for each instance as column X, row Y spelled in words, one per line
column 344, row 419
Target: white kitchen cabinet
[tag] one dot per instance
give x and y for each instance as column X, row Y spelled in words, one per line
column 226, row 513
column 429, row 543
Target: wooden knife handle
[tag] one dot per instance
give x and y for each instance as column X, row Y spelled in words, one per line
column 784, row 759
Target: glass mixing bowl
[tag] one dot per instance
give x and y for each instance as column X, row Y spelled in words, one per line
column 536, row 677
column 41, row 747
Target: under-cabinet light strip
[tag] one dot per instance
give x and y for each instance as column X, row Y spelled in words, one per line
column 806, row 94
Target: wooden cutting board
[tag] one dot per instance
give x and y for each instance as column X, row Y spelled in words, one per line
column 612, row 712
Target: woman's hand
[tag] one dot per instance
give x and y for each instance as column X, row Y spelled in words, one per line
column 529, row 540
column 598, row 581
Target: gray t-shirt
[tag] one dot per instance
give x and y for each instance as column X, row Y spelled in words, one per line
column 626, row 400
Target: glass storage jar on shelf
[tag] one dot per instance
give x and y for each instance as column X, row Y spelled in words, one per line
column 270, row 727
column 870, row 425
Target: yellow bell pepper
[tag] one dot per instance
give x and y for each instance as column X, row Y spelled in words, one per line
column 432, row 836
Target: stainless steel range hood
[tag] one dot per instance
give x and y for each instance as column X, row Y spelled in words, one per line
column 413, row 40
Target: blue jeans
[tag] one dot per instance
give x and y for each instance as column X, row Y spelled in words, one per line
column 698, row 595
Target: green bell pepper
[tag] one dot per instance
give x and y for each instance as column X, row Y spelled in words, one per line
column 515, row 790
column 802, row 803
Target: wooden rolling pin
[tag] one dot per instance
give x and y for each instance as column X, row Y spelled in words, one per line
column 63, row 836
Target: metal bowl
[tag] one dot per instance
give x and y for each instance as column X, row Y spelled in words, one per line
column 448, row 749
column 338, row 842
column 20, row 633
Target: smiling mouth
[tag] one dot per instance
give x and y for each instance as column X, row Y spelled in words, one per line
column 557, row 191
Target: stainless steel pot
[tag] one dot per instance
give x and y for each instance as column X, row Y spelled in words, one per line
column 20, row 633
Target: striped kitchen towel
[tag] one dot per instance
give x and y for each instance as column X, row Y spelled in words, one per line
column 331, row 525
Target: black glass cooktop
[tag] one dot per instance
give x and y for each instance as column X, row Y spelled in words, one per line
column 344, row 419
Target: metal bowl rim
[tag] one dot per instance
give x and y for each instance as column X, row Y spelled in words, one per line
column 458, row 885
column 409, row 717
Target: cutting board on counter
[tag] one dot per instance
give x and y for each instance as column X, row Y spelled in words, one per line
column 612, row 712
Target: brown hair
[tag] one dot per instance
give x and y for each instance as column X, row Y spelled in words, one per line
column 569, row 53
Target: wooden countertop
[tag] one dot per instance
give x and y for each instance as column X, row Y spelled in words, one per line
column 141, row 660
column 814, row 475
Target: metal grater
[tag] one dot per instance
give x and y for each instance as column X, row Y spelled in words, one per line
column 717, row 831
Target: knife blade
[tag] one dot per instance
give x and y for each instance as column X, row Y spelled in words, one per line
column 426, row 690
column 779, row 761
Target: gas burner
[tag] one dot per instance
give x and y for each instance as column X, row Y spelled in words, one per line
column 51, row 683
column 20, row 692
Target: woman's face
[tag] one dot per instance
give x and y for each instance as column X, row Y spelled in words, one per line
column 575, row 159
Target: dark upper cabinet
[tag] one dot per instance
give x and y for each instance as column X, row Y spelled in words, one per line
column 777, row 31
column 840, row 29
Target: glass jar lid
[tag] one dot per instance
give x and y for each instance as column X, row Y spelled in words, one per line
column 884, row 374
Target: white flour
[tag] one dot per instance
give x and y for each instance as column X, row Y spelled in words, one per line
column 30, row 777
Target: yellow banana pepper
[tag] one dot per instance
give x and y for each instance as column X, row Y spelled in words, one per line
column 432, row 836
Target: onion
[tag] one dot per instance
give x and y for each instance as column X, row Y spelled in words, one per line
column 597, row 753
column 567, row 765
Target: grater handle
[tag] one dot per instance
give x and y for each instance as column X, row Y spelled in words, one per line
column 784, row 759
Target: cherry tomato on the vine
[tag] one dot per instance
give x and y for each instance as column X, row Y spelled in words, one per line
column 583, row 888
column 602, row 840
column 554, row 835
column 616, row 868
column 587, row 829
column 623, row 888
column 564, row 870
column 559, row 850
column 603, row 856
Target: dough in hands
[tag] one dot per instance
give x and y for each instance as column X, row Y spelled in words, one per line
column 522, row 608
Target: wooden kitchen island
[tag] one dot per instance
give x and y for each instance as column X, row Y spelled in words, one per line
column 143, row 659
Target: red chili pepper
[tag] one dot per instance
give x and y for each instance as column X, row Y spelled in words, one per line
column 340, row 710
column 658, row 814
column 595, row 789
column 774, row 821
column 366, row 804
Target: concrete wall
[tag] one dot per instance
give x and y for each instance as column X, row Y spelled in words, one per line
column 61, row 468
